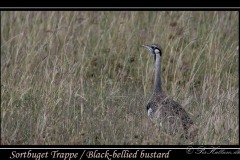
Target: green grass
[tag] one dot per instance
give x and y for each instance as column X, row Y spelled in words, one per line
column 82, row 77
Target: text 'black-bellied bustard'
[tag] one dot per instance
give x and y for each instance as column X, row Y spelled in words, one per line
column 163, row 110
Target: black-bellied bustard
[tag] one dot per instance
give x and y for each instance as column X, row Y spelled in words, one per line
column 163, row 110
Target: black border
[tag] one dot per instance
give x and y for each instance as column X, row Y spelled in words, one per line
column 176, row 152
column 119, row 8
column 180, row 153
column 96, row 4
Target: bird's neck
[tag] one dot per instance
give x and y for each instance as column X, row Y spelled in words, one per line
column 157, row 81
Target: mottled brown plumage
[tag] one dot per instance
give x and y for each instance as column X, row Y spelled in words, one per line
column 170, row 116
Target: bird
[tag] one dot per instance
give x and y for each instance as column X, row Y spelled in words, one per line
column 169, row 115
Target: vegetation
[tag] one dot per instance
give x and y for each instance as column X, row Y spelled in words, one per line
column 83, row 78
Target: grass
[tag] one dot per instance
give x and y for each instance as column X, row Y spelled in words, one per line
column 82, row 77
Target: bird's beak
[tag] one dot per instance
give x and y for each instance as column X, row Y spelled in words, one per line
column 148, row 47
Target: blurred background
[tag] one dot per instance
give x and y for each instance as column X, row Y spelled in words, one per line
column 82, row 77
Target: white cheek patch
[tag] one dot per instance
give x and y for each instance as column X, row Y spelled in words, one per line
column 156, row 51
column 150, row 112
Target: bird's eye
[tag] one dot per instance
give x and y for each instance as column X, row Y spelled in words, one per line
column 156, row 51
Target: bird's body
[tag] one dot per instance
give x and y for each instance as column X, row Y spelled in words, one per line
column 170, row 116
column 163, row 110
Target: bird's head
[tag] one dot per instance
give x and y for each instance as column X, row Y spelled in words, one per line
column 154, row 49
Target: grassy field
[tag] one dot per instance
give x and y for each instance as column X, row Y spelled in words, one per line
column 83, row 77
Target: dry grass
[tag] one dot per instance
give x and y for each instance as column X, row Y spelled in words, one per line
column 82, row 77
